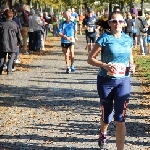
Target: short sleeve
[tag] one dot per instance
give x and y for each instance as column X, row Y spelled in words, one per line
column 76, row 15
column 101, row 40
column 60, row 27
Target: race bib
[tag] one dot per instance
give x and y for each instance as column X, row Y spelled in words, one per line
column 119, row 71
column 90, row 29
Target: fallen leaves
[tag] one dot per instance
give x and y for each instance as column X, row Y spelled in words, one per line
column 28, row 59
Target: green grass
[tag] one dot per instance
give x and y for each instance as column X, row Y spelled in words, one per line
column 143, row 66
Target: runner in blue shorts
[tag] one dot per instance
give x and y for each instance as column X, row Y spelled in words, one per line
column 113, row 80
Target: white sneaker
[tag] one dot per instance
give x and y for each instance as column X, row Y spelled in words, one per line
column 26, row 53
column 17, row 61
column 143, row 54
column 5, row 68
column 13, row 69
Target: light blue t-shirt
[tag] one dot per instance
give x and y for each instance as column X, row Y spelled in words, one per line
column 68, row 29
column 75, row 15
column 115, row 50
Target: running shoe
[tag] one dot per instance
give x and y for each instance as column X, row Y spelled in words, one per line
column 5, row 67
column 17, row 61
column 26, row 53
column 68, row 70
column 13, row 69
column 102, row 141
column 72, row 69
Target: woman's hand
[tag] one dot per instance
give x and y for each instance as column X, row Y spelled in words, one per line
column 132, row 68
column 109, row 67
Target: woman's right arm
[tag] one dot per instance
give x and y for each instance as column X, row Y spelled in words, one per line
column 92, row 56
column 97, row 63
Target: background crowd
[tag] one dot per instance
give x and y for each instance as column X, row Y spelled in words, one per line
column 35, row 26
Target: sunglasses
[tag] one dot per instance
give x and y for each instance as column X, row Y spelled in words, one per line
column 116, row 21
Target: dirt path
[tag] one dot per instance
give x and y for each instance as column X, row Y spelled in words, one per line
column 44, row 108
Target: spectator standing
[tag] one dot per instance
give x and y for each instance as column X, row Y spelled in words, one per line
column 16, row 60
column 148, row 32
column 23, row 15
column 47, row 25
column 3, row 18
column 43, row 31
column 10, row 38
column 141, row 36
column 37, row 31
column 134, row 30
column 129, row 23
column 30, row 30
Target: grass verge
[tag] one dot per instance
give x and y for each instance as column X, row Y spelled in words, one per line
column 143, row 66
column 143, row 73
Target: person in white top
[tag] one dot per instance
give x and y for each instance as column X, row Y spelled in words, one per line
column 37, row 28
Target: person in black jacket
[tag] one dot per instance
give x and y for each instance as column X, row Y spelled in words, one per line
column 2, row 18
column 103, row 23
column 10, row 38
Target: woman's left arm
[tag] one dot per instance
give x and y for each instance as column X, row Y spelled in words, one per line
column 132, row 65
column 131, row 58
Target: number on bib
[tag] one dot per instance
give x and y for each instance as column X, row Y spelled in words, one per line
column 119, row 71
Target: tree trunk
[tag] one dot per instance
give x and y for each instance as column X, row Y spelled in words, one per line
column 131, row 3
column 110, row 7
column 122, row 5
column 142, row 8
